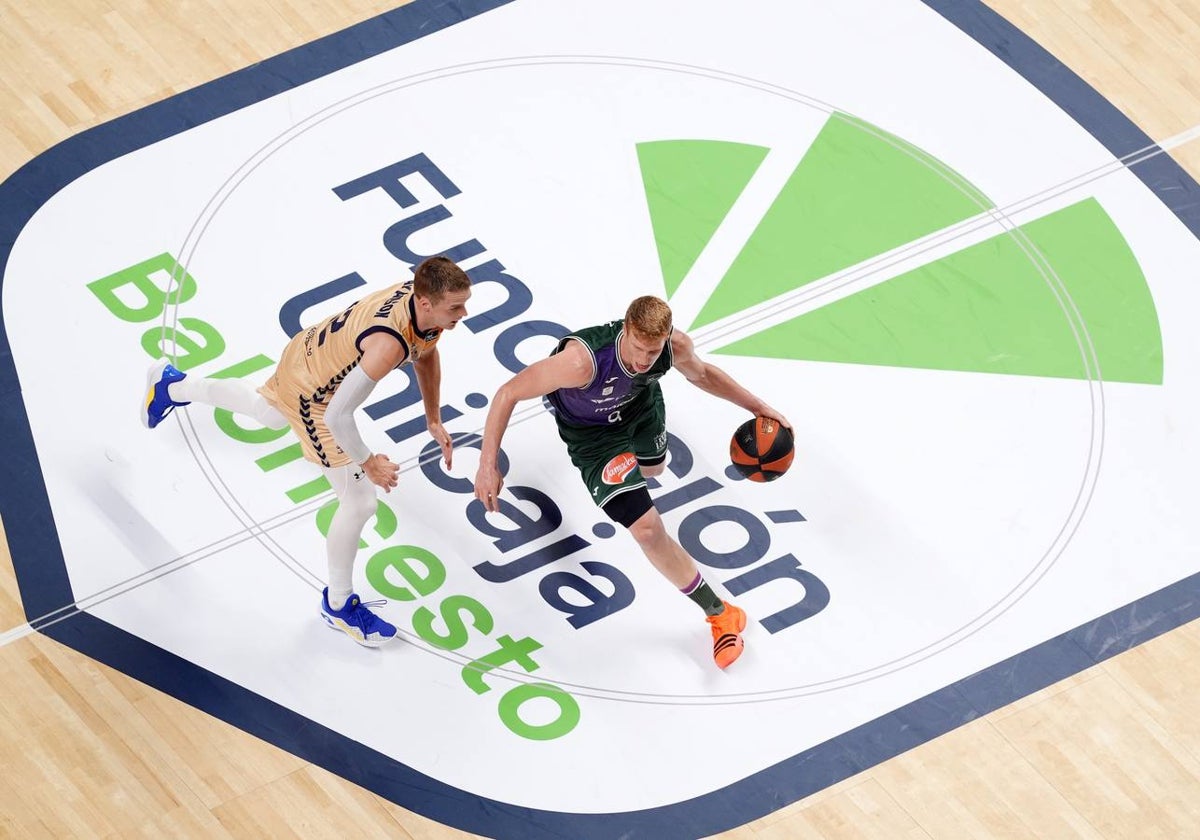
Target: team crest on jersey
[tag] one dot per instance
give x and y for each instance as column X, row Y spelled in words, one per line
column 619, row 467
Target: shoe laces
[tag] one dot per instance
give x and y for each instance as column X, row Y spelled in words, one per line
column 367, row 618
column 724, row 622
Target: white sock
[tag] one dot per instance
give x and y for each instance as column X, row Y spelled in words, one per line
column 356, row 505
column 230, row 394
column 338, row 597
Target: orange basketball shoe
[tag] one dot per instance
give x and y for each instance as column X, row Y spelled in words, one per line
column 726, row 630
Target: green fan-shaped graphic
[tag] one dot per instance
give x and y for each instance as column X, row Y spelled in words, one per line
column 686, row 210
column 857, row 192
column 989, row 308
column 992, row 307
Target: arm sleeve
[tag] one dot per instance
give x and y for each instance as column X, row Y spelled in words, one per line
column 339, row 414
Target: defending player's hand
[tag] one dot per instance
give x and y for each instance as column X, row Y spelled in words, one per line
column 439, row 433
column 382, row 471
column 488, row 482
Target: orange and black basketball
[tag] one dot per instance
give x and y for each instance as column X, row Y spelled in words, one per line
column 761, row 449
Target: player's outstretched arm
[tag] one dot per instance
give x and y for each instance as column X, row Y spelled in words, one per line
column 712, row 379
column 428, row 369
column 570, row 368
column 381, row 353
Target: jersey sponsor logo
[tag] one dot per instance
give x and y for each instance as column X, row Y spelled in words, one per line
column 618, row 468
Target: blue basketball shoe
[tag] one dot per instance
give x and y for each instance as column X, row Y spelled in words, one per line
column 357, row 621
column 158, row 400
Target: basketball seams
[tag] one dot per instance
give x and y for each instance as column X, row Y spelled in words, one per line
column 761, row 449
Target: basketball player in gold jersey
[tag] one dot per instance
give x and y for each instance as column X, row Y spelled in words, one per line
column 324, row 374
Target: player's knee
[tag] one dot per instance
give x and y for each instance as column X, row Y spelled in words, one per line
column 356, row 496
column 652, row 471
column 651, row 467
column 648, row 529
column 358, row 508
column 629, row 508
column 636, row 512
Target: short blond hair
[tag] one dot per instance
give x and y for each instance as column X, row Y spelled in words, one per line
column 649, row 317
column 438, row 276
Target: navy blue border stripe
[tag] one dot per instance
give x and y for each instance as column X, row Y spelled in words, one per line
column 33, row 184
column 44, row 585
column 806, row 773
column 1162, row 174
column 288, row 730
column 32, row 536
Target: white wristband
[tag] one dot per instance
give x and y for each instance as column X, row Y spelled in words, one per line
column 339, row 414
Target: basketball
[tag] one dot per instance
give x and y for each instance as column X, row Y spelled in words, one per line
column 761, row 449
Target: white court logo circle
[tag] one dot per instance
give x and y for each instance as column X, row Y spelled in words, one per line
column 944, row 496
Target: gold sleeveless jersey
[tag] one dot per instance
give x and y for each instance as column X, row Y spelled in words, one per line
column 316, row 361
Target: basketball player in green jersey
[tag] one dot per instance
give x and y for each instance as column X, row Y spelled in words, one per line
column 603, row 384
column 324, row 374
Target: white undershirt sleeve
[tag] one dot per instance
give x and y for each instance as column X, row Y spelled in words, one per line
column 339, row 414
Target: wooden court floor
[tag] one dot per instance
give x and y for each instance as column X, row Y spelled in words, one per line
column 1113, row 752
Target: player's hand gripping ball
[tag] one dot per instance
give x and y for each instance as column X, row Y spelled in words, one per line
column 761, row 449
